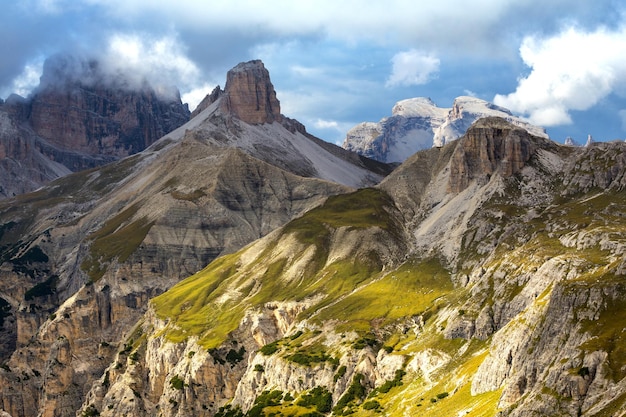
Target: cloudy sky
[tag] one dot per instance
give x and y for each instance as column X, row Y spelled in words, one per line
column 335, row 63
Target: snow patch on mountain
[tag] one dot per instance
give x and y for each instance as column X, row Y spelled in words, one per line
column 418, row 123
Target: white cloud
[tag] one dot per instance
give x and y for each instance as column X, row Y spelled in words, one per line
column 195, row 95
column 136, row 58
column 573, row 70
column 162, row 61
column 412, row 67
column 326, row 124
column 469, row 25
column 24, row 83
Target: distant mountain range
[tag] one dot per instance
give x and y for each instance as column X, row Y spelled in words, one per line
column 417, row 123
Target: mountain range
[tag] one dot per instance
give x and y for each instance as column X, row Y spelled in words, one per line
column 239, row 266
column 418, row 123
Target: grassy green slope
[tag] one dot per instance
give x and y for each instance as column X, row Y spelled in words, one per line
column 364, row 294
column 211, row 303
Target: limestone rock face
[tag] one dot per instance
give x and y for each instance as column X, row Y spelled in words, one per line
column 411, row 127
column 81, row 110
column 79, row 118
column 249, row 94
column 491, row 145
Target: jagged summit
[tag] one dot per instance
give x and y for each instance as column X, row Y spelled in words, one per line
column 246, row 115
column 250, row 95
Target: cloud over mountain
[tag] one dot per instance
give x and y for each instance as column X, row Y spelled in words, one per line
column 329, row 59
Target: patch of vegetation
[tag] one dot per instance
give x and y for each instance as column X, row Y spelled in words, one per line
column 190, row 305
column 354, row 394
column 128, row 346
column 388, row 385
column 177, row 383
column 235, row 356
column 442, row 395
column 26, row 263
column 270, row 348
column 371, row 405
column 365, row 341
column 319, row 398
column 90, row 411
column 266, row 399
column 415, row 286
column 6, row 229
column 33, row 255
column 229, row 411
column 309, row 358
column 296, row 335
column 340, row 373
column 361, row 209
column 217, row 358
column 45, row 288
column 259, row 368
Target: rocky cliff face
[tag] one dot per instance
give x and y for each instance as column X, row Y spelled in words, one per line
column 491, row 146
column 418, row 124
column 82, row 257
column 492, row 291
column 249, row 94
column 79, row 118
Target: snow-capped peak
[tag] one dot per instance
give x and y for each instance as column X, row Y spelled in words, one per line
column 417, row 123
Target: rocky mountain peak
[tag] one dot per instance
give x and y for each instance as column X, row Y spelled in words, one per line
column 249, row 94
column 81, row 107
column 491, row 145
column 418, row 123
column 81, row 115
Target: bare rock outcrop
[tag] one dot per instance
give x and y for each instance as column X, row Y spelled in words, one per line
column 249, row 94
column 79, row 108
column 207, row 101
column 490, row 146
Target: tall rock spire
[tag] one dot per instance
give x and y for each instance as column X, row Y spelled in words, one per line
column 250, row 95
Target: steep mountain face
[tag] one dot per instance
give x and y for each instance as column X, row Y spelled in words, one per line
column 79, row 118
column 496, row 288
column 418, row 123
column 261, row 107
column 82, row 256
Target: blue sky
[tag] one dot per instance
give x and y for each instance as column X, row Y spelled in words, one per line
column 334, row 63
